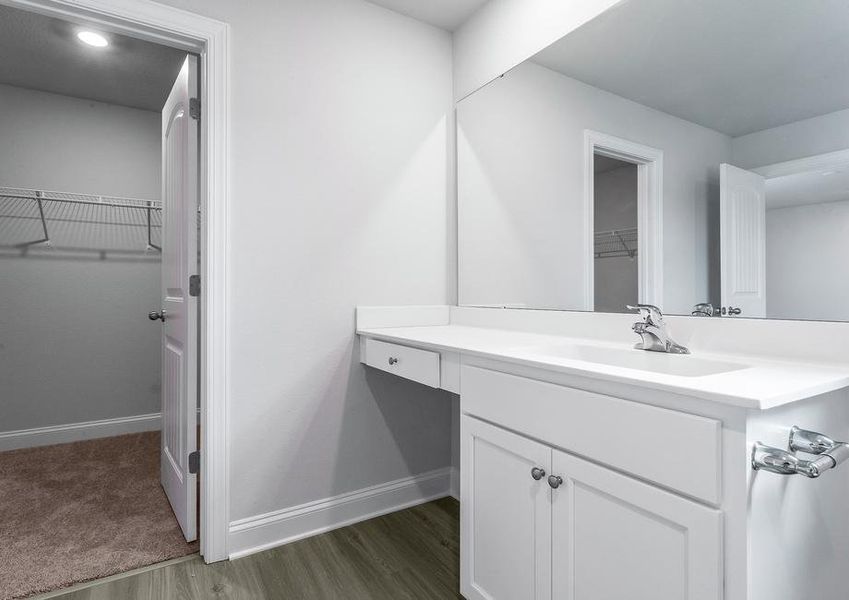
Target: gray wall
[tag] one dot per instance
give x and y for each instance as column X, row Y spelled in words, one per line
column 341, row 122
column 615, row 206
column 75, row 344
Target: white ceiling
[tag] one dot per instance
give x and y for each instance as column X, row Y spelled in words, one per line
column 732, row 66
column 814, row 187
column 445, row 14
column 43, row 53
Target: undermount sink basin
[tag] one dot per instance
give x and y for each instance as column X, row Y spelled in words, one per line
column 681, row 365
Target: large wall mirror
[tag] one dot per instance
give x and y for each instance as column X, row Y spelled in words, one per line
column 692, row 154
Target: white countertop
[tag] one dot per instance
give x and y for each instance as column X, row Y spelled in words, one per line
column 759, row 384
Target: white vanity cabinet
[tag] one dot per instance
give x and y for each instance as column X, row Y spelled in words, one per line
column 506, row 514
column 616, row 537
column 589, row 533
column 657, row 496
column 539, row 522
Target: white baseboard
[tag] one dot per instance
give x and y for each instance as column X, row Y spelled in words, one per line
column 255, row 534
column 75, row 432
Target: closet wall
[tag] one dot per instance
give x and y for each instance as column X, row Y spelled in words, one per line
column 616, row 278
column 75, row 341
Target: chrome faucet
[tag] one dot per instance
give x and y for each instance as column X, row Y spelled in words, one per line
column 652, row 330
column 704, row 309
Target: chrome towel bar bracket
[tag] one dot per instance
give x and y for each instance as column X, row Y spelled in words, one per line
column 828, row 452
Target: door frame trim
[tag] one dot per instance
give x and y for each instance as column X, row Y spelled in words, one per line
column 649, row 163
column 210, row 39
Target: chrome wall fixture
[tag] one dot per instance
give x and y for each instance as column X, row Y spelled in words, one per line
column 828, row 453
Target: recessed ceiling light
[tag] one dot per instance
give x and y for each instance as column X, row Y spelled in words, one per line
column 93, row 39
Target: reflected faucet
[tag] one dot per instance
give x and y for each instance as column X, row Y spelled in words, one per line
column 705, row 309
column 652, row 330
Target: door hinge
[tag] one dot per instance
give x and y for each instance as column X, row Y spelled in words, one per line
column 194, row 108
column 194, row 462
column 194, row 285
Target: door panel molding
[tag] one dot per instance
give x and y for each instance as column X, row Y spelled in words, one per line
column 742, row 207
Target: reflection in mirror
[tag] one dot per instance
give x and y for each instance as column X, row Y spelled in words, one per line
column 615, row 233
column 693, row 155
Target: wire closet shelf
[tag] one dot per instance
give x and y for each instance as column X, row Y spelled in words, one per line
column 616, row 242
column 65, row 221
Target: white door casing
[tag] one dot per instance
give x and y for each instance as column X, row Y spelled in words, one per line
column 179, row 261
column 742, row 206
column 649, row 163
column 616, row 537
column 505, row 530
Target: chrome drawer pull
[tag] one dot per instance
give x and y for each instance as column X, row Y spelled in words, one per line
column 537, row 473
column 392, row 360
column 555, row 481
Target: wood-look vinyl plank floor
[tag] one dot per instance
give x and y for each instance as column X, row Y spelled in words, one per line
column 412, row 554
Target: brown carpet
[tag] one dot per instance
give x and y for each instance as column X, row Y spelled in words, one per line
column 74, row 512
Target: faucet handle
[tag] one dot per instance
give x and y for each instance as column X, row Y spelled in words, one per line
column 648, row 312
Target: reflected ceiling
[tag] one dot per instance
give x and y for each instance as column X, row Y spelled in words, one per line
column 735, row 67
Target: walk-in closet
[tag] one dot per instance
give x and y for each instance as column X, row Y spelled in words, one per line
column 81, row 254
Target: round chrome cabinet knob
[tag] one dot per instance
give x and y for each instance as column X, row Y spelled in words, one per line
column 393, row 361
column 537, row 473
column 555, row 481
column 156, row 316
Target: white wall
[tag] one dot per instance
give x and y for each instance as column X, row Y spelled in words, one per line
column 806, row 250
column 520, row 182
column 341, row 124
column 503, row 33
column 615, row 207
column 75, row 342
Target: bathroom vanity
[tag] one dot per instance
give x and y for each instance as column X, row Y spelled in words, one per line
column 686, row 155
column 592, row 470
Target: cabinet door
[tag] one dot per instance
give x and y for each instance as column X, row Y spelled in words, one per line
column 505, row 515
column 615, row 538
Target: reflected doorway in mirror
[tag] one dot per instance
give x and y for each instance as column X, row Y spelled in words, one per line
column 646, row 230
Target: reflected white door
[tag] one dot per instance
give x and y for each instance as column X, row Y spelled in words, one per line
column 742, row 205
column 179, row 261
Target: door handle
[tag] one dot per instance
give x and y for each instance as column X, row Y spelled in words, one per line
column 157, row 316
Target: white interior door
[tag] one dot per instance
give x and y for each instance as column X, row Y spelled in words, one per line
column 742, row 208
column 179, row 308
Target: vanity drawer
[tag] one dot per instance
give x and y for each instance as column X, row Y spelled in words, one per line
column 404, row 361
column 674, row 449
